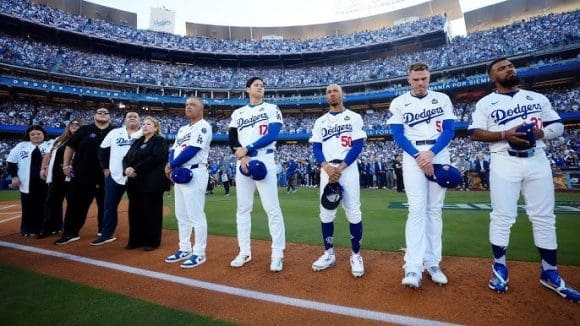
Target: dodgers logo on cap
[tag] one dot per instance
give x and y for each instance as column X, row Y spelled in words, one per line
column 331, row 196
column 181, row 175
column 447, row 176
column 256, row 170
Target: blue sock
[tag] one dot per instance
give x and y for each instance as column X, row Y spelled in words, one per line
column 327, row 234
column 549, row 258
column 356, row 236
column 498, row 254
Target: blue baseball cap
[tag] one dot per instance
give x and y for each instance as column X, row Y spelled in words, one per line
column 446, row 175
column 331, row 196
column 181, row 175
column 527, row 128
column 256, row 170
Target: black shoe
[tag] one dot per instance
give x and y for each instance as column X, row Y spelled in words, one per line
column 67, row 239
column 102, row 240
column 42, row 235
column 149, row 248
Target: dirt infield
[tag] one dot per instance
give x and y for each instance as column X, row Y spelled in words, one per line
column 466, row 300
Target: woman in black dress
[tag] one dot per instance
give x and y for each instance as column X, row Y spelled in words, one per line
column 144, row 166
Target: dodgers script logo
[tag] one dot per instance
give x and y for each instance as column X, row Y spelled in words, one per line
column 426, row 116
column 250, row 122
column 335, row 131
column 183, row 139
column 502, row 117
column 124, row 142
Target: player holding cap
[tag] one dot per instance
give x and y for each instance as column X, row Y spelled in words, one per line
column 253, row 131
column 422, row 125
column 337, row 141
column 517, row 166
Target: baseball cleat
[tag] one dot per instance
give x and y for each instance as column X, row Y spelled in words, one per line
column 552, row 280
column 499, row 279
column 178, row 256
column 277, row 264
column 241, row 260
column 193, row 261
column 357, row 266
column 325, row 261
column 437, row 275
column 412, row 280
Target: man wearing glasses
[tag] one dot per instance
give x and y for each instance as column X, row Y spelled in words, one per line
column 81, row 164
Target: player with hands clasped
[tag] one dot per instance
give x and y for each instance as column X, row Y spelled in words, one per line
column 422, row 125
column 519, row 164
column 189, row 155
column 253, row 131
column 337, row 141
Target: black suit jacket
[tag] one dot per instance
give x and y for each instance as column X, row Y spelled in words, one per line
column 148, row 159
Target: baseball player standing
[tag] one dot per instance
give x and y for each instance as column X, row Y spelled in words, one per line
column 496, row 119
column 337, row 141
column 252, row 134
column 191, row 150
column 422, row 125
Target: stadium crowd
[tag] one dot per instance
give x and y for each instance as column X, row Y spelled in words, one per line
column 518, row 38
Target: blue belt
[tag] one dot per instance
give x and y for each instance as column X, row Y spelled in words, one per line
column 425, row 142
column 255, row 152
column 528, row 153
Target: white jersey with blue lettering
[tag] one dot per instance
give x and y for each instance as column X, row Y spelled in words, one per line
column 21, row 154
column 498, row 112
column 199, row 135
column 336, row 132
column 252, row 122
column 421, row 117
column 119, row 142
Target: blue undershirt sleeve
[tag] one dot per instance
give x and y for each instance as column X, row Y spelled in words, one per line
column 184, row 156
column 354, row 152
column 170, row 158
column 445, row 137
column 402, row 141
column 318, row 155
column 270, row 136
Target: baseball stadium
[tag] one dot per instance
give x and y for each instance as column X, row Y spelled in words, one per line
column 188, row 163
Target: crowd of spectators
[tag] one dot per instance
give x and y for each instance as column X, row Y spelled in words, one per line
column 47, row 15
column 538, row 33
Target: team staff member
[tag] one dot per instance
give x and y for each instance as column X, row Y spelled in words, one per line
column 111, row 153
column 252, row 133
column 87, row 179
column 58, row 183
column 422, row 125
column 191, row 150
column 144, row 165
column 337, row 141
column 495, row 120
column 24, row 164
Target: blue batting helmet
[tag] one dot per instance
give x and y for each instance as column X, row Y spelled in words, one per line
column 447, row 176
column 527, row 128
column 181, row 175
column 331, row 196
column 256, row 170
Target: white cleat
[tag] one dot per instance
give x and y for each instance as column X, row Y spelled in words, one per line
column 357, row 265
column 241, row 260
column 412, row 280
column 277, row 264
column 437, row 275
column 325, row 261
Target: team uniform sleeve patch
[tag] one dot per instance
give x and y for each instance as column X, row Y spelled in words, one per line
column 396, row 118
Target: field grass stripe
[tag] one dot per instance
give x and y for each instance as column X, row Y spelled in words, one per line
column 271, row 298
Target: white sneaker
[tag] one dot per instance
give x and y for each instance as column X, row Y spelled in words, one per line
column 325, row 261
column 437, row 275
column 412, row 280
column 357, row 266
column 241, row 260
column 277, row 264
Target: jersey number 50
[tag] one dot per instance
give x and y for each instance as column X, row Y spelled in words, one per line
column 345, row 141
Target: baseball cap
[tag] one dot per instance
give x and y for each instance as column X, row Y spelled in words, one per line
column 527, row 128
column 181, row 175
column 331, row 196
column 446, row 175
column 256, row 170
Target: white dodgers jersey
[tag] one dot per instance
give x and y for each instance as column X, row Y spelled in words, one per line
column 498, row 112
column 119, row 142
column 21, row 154
column 252, row 122
column 422, row 118
column 196, row 135
column 337, row 132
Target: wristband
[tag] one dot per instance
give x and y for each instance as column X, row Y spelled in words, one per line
column 502, row 134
